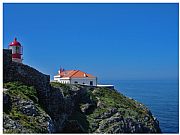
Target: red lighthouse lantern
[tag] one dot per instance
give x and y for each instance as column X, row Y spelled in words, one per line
column 17, row 49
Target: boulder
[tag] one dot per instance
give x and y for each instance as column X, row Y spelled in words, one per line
column 28, row 108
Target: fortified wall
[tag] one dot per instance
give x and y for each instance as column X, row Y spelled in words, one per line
column 13, row 71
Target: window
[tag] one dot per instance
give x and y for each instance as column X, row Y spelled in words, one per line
column 17, row 49
column 91, row 82
column 13, row 49
column 76, row 82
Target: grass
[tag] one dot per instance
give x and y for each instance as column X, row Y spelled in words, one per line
column 19, row 89
column 109, row 98
column 65, row 87
column 28, row 122
column 112, row 98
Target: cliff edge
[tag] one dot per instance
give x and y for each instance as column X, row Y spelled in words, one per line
column 31, row 104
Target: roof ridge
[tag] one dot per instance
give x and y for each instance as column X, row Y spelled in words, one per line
column 65, row 72
column 75, row 72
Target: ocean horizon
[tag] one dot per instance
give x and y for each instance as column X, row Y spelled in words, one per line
column 160, row 96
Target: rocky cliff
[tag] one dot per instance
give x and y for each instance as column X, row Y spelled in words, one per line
column 22, row 112
column 31, row 104
column 103, row 110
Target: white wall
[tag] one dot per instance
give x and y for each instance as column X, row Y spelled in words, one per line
column 84, row 81
column 17, row 60
column 62, row 80
column 56, row 78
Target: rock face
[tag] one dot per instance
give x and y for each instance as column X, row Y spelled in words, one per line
column 31, row 104
column 21, row 113
column 100, row 110
column 13, row 71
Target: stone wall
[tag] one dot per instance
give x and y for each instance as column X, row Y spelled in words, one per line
column 13, row 71
column 7, row 57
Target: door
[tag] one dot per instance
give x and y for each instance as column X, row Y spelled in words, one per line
column 91, row 82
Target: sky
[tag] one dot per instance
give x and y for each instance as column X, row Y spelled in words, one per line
column 110, row 41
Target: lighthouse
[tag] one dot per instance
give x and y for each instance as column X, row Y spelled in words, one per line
column 17, row 51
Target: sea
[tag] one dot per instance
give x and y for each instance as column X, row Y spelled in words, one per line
column 160, row 96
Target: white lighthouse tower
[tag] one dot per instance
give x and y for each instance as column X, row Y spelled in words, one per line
column 17, row 51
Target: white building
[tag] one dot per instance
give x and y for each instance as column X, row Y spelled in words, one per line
column 75, row 77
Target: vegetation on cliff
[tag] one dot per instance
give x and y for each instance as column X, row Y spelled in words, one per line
column 21, row 110
column 31, row 104
column 76, row 109
column 103, row 110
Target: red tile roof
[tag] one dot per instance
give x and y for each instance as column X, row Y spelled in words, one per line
column 75, row 74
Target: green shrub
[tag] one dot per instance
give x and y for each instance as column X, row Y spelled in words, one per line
column 65, row 87
column 18, row 88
